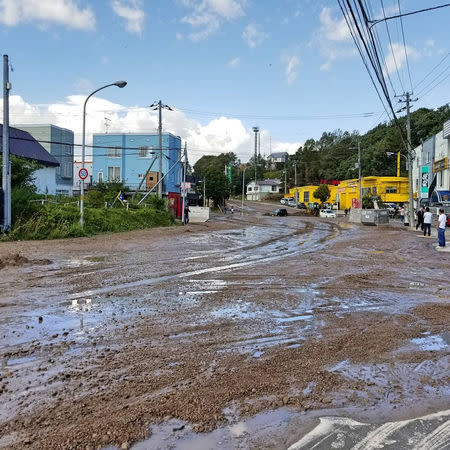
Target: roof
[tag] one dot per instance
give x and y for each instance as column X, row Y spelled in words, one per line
column 273, row 182
column 22, row 144
column 278, row 155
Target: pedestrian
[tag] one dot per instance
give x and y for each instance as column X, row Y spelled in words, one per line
column 402, row 214
column 345, row 212
column 420, row 214
column 427, row 218
column 232, row 209
column 441, row 227
column 395, row 212
column 186, row 214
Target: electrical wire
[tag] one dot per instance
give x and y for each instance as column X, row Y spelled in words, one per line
column 432, row 70
column 404, row 45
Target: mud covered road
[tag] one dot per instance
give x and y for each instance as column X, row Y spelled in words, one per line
column 247, row 332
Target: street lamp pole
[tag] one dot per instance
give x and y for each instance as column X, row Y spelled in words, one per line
column 120, row 84
column 243, row 191
column 359, row 172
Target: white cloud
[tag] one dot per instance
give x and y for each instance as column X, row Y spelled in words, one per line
column 333, row 38
column 207, row 15
column 333, row 29
column 133, row 14
column 234, row 62
column 253, row 36
column 219, row 135
column 396, row 57
column 291, row 63
column 44, row 12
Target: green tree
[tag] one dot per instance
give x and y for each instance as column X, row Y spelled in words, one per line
column 217, row 185
column 322, row 193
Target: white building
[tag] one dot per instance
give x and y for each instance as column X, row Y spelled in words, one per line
column 262, row 189
column 431, row 171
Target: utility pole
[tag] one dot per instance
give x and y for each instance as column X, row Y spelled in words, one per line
column 409, row 156
column 295, row 184
column 256, row 130
column 183, row 190
column 285, row 180
column 243, row 191
column 359, row 175
column 159, row 106
column 6, row 174
column 204, row 191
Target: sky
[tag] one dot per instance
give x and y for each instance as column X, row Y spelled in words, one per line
column 289, row 67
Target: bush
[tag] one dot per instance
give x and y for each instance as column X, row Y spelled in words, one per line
column 94, row 199
column 55, row 221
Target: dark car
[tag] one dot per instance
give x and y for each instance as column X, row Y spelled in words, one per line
column 301, row 206
column 279, row 212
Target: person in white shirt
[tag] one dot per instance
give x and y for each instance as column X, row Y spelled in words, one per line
column 427, row 218
column 442, row 219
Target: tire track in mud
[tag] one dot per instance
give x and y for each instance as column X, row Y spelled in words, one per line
column 270, row 252
column 430, row 432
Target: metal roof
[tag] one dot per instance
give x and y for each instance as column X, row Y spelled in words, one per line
column 22, row 144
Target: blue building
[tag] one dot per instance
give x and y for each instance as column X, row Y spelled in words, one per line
column 128, row 157
column 59, row 143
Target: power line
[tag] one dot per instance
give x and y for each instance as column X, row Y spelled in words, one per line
column 404, row 45
column 432, row 70
column 374, row 22
column 436, row 85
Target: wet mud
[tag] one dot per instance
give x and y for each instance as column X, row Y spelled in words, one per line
column 218, row 335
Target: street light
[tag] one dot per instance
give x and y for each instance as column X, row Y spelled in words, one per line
column 359, row 172
column 243, row 189
column 120, row 84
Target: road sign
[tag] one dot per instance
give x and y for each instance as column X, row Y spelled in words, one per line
column 83, row 173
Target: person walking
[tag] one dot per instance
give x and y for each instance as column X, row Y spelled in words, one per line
column 420, row 214
column 441, row 227
column 402, row 214
column 427, row 218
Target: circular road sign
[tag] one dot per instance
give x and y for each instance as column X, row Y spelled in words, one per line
column 83, row 173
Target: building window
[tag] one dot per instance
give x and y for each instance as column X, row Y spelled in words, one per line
column 114, row 152
column 274, row 188
column 306, row 196
column 66, row 170
column 100, row 177
column 440, row 178
column 145, row 152
column 256, row 188
column 391, row 190
column 114, row 173
column 249, row 189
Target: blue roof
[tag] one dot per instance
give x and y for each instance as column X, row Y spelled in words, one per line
column 22, row 144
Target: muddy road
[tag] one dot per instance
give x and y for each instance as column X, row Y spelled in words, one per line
column 245, row 332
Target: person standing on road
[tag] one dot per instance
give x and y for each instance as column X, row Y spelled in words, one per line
column 427, row 218
column 420, row 214
column 402, row 214
column 441, row 227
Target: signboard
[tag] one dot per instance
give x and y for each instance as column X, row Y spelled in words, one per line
column 424, row 183
column 440, row 165
column 229, row 172
column 83, row 173
column 185, row 187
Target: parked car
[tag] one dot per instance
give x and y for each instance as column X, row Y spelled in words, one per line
column 291, row 203
column 279, row 212
column 283, row 201
column 301, row 205
column 391, row 207
column 328, row 213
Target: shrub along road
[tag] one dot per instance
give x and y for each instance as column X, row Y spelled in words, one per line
column 237, row 333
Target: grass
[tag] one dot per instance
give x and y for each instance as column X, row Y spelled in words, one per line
column 63, row 221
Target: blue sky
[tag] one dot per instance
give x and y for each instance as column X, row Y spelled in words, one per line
column 287, row 66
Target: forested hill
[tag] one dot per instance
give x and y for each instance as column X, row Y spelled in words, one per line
column 334, row 155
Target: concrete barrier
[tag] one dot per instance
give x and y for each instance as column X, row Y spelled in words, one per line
column 198, row 214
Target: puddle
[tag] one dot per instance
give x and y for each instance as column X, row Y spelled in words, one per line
column 95, row 258
column 257, row 354
column 433, row 342
column 176, row 434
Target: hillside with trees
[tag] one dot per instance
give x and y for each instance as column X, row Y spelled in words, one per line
column 334, row 155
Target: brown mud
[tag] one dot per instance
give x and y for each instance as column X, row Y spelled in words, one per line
column 207, row 325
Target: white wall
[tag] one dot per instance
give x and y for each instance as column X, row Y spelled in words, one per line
column 45, row 180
